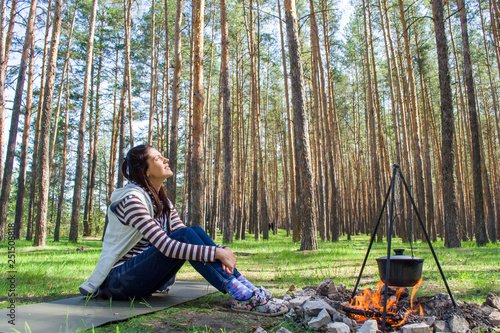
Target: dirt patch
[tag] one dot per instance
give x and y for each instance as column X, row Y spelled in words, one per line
column 218, row 317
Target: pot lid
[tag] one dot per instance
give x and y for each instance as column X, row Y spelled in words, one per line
column 400, row 257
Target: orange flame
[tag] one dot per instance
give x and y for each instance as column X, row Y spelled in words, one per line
column 371, row 302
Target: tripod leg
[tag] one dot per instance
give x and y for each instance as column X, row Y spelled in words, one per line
column 389, row 239
column 371, row 241
column 428, row 240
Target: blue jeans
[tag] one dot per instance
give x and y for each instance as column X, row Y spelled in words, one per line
column 147, row 272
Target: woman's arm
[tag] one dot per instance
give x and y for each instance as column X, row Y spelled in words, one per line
column 132, row 211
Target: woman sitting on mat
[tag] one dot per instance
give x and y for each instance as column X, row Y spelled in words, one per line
column 146, row 243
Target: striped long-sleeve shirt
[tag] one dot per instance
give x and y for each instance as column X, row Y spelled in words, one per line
column 131, row 211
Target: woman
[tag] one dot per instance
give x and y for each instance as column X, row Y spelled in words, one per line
column 146, row 243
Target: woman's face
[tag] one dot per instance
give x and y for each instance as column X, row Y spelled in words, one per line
column 158, row 166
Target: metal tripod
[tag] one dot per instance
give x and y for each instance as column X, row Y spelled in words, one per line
column 396, row 171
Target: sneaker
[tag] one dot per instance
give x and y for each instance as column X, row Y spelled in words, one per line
column 259, row 305
column 267, row 294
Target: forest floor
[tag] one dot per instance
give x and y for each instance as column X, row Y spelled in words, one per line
column 56, row 271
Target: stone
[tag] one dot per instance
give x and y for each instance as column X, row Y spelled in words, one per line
column 355, row 325
column 349, row 323
column 441, row 326
column 291, row 315
column 337, row 328
column 302, row 293
column 369, row 326
column 319, row 321
column 326, row 287
column 430, row 320
column 493, row 301
column 416, row 328
column 458, row 324
column 298, row 301
column 312, row 308
column 260, row 330
column 494, row 318
column 287, row 298
column 337, row 316
column 283, row 330
column 487, row 309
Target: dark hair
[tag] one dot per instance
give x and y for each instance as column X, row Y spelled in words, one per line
column 134, row 168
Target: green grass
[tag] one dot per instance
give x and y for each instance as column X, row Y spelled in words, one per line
column 56, row 271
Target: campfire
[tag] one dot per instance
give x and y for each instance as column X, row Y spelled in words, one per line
column 332, row 308
column 370, row 305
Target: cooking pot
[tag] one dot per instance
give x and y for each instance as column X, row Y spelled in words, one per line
column 404, row 271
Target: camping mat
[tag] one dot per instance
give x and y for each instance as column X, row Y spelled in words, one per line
column 77, row 313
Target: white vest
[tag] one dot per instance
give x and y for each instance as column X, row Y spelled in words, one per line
column 118, row 240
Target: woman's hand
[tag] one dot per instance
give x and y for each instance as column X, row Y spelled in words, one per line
column 227, row 258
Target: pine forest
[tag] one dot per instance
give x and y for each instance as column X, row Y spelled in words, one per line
column 280, row 114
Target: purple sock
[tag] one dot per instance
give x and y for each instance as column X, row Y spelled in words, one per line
column 238, row 290
column 247, row 283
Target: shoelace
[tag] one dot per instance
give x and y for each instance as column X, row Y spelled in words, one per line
column 260, row 296
column 265, row 292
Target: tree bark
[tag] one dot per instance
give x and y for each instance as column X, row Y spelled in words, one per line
column 16, row 111
column 152, row 95
column 452, row 238
column 127, row 5
column 480, row 232
column 304, row 178
column 23, row 161
column 196, row 168
column 34, row 165
column 89, row 207
column 77, row 192
column 290, row 161
column 60, row 202
column 414, row 121
column 228, row 201
column 174, row 138
column 4, row 57
column 43, row 171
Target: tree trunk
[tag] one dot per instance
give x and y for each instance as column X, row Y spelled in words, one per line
column 304, row 178
column 318, row 108
column 374, row 159
column 127, row 5
column 94, row 157
column 110, row 184
column 77, row 192
column 60, row 202
column 23, row 162
column 481, row 233
column 66, row 124
column 288, row 149
column 255, row 222
column 43, row 171
column 332, row 140
column 414, row 122
column 196, row 168
column 34, row 165
column 228, row 201
column 174, row 138
column 166, row 84
column 152, row 95
column 452, row 238
column 4, row 58
column 16, row 111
